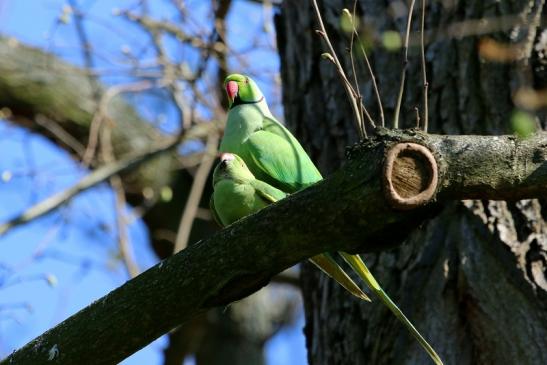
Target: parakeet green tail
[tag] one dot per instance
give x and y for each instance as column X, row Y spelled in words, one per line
column 360, row 268
column 326, row 263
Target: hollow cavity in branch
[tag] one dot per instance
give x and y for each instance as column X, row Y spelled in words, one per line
column 410, row 176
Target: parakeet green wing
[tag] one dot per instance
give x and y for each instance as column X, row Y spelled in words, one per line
column 280, row 162
column 213, row 210
column 267, row 192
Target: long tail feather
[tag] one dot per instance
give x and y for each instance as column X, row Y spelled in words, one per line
column 361, row 269
column 329, row 266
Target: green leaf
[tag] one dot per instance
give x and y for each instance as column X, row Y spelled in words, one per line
column 523, row 123
column 166, row 194
column 391, row 40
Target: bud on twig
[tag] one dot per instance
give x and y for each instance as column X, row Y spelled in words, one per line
column 327, row 56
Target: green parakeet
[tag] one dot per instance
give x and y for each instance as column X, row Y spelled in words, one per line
column 236, row 194
column 275, row 156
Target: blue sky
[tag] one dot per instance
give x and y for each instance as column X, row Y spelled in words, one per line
column 51, row 268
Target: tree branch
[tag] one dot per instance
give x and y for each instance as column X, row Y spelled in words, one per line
column 37, row 86
column 196, row 192
column 163, row 26
column 240, row 259
column 96, row 177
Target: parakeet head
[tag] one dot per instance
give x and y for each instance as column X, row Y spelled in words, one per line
column 242, row 89
column 232, row 167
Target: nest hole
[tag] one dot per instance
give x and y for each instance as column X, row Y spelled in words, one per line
column 410, row 175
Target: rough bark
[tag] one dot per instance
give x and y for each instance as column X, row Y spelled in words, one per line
column 472, row 278
column 241, row 258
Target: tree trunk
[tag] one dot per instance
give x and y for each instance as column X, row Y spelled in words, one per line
column 472, row 279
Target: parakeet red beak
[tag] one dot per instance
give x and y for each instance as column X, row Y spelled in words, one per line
column 226, row 156
column 231, row 90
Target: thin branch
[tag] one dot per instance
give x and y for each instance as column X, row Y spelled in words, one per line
column 532, row 27
column 374, row 83
column 120, row 205
column 162, row 26
column 98, row 176
column 86, row 49
column 124, row 244
column 170, row 71
column 196, row 191
column 347, row 85
column 417, row 110
column 369, row 68
column 353, row 98
column 102, row 113
column 97, row 93
column 424, row 72
column 62, row 135
column 405, row 66
column 352, row 60
column 204, row 214
column 220, row 30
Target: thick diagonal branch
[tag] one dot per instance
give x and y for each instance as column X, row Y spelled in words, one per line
column 345, row 212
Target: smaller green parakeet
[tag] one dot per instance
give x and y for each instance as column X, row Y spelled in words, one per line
column 237, row 193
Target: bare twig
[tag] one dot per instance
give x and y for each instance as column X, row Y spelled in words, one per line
column 405, row 66
column 96, row 177
column 353, row 95
column 102, row 113
column 86, row 49
column 347, row 85
column 204, row 214
column 532, row 28
column 369, row 67
column 170, row 71
column 374, row 84
column 62, row 135
column 352, row 61
column 221, row 11
column 124, row 244
column 162, row 26
column 424, row 74
column 97, row 93
column 196, row 192
column 267, row 11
